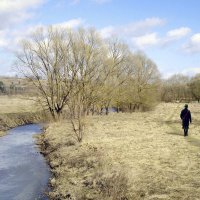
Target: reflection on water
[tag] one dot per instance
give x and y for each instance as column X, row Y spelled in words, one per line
column 24, row 173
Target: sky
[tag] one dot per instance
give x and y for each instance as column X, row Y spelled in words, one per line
column 167, row 31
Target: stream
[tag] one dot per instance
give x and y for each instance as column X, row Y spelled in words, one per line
column 24, row 173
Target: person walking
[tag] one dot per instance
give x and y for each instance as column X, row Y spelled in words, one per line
column 186, row 119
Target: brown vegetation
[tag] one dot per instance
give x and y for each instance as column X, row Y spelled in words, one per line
column 80, row 70
column 126, row 156
column 18, row 110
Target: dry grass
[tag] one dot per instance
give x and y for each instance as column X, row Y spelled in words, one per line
column 16, row 110
column 16, row 104
column 148, row 148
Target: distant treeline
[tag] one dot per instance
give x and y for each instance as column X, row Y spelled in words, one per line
column 180, row 88
column 177, row 88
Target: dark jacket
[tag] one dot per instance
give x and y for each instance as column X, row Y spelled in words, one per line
column 186, row 117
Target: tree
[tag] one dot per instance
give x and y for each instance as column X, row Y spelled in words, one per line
column 143, row 83
column 80, row 70
column 195, row 87
column 43, row 59
column 115, row 71
column 176, row 88
column 88, row 54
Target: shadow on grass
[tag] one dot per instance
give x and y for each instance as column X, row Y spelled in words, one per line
column 194, row 141
column 175, row 133
column 172, row 122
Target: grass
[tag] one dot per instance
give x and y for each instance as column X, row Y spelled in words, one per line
column 16, row 104
column 127, row 156
column 16, row 110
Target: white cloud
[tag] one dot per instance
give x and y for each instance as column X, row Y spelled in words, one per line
column 191, row 71
column 75, row 2
column 101, row 1
column 178, row 33
column 193, row 46
column 3, row 41
column 11, row 39
column 144, row 25
column 73, row 23
column 146, row 40
column 18, row 5
column 196, row 38
column 133, row 29
column 138, row 33
column 15, row 11
column 107, row 32
column 142, row 33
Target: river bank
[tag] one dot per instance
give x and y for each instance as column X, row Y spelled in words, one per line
column 80, row 170
column 11, row 120
column 126, row 156
column 18, row 110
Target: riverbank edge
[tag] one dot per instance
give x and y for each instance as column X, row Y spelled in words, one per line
column 12, row 120
column 86, row 172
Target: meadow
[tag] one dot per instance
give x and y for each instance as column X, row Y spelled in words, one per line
column 16, row 104
column 140, row 155
column 16, row 110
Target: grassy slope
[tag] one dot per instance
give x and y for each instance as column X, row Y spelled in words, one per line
column 16, row 104
column 148, row 148
column 14, row 110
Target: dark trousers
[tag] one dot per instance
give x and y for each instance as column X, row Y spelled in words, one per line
column 185, row 131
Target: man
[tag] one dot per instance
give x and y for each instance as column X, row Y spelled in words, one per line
column 186, row 118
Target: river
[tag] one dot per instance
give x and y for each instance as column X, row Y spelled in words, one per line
column 24, row 173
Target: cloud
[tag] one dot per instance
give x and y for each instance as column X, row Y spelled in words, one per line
column 193, row 46
column 133, row 29
column 142, row 33
column 108, row 32
column 178, row 33
column 101, row 1
column 9, row 40
column 73, row 23
column 191, row 71
column 75, row 2
column 15, row 11
column 143, row 26
column 175, row 35
column 18, row 5
column 146, row 40
column 3, row 40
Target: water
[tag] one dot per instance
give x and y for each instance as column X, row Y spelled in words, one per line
column 24, row 173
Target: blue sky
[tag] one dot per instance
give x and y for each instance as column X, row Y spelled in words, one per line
column 167, row 31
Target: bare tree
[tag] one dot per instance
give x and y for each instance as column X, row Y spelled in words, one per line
column 43, row 59
column 115, row 71
column 77, row 69
column 87, row 52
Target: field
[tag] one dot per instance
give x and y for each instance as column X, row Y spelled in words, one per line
column 16, row 104
column 127, row 156
column 14, row 110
